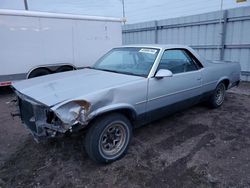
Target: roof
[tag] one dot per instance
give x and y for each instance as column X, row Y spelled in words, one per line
column 57, row 15
column 169, row 46
column 161, row 46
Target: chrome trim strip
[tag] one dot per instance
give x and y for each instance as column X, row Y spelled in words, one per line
column 156, row 63
column 212, row 82
column 141, row 102
column 57, row 15
column 166, row 95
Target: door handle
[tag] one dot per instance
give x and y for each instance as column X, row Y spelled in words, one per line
column 199, row 78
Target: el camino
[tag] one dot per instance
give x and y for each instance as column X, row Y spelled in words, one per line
column 128, row 87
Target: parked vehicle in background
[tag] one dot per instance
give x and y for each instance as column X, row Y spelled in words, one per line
column 38, row 43
column 128, row 87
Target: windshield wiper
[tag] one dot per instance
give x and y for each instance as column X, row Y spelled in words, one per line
column 119, row 72
column 89, row 67
column 134, row 74
column 107, row 70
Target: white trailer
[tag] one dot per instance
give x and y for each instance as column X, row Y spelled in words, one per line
column 38, row 43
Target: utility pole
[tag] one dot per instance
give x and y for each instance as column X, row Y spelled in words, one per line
column 26, row 5
column 123, row 11
column 221, row 33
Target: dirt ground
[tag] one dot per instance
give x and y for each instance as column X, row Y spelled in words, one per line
column 198, row 147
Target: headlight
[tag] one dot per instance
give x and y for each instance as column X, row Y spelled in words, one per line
column 71, row 113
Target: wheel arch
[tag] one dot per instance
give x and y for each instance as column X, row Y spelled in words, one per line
column 60, row 68
column 127, row 110
column 37, row 69
column 50, row 67
column 225, row 80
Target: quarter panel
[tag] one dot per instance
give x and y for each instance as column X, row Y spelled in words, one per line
column 216, row 72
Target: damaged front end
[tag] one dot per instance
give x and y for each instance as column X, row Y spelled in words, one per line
column 45, row 122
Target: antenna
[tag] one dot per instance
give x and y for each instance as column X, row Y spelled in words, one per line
column 26, row 5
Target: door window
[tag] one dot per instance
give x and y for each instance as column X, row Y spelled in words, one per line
column 177, row 61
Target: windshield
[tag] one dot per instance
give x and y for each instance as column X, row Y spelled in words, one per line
column 129, row 60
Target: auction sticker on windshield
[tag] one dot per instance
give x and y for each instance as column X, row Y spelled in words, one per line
column 147, row 50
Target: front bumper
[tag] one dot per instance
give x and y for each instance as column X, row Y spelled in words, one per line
column 36, row 118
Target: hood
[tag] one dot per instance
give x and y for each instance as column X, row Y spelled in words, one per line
column 55, row 88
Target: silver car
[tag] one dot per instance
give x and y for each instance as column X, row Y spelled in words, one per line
column 128, row 87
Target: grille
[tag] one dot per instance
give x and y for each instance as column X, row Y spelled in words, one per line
column 27, row 114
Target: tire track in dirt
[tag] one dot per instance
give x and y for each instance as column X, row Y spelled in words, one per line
column 177, row 174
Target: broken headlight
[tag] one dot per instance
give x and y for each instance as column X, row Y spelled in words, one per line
column 72, row 112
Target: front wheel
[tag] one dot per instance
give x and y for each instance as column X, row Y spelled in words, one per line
column 108, row 138
column 218, row 96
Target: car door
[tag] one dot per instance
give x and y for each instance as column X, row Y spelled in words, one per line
column 169, row 94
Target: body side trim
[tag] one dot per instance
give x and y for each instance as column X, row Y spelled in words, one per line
column 174, row 93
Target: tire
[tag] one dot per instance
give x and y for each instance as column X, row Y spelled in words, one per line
column 39, row 72
column 108, row 138
column 64, row 69
column 218, row 96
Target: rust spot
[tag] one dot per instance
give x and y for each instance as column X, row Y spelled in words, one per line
column 83, row 104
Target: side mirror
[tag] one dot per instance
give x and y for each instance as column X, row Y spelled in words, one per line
column 163, row 73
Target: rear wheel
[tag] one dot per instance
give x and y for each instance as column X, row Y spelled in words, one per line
column 39, row 72
column 108, row 138
column 218, row 96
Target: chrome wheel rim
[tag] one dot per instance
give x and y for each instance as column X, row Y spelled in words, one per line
column 220, row 94
column 113, row 139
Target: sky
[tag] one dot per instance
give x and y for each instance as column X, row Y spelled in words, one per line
column 135, row 10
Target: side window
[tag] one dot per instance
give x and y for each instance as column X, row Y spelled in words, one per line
column 177, row 61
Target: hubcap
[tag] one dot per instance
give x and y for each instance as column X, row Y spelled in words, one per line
column 220, row 93
column 113, row 139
